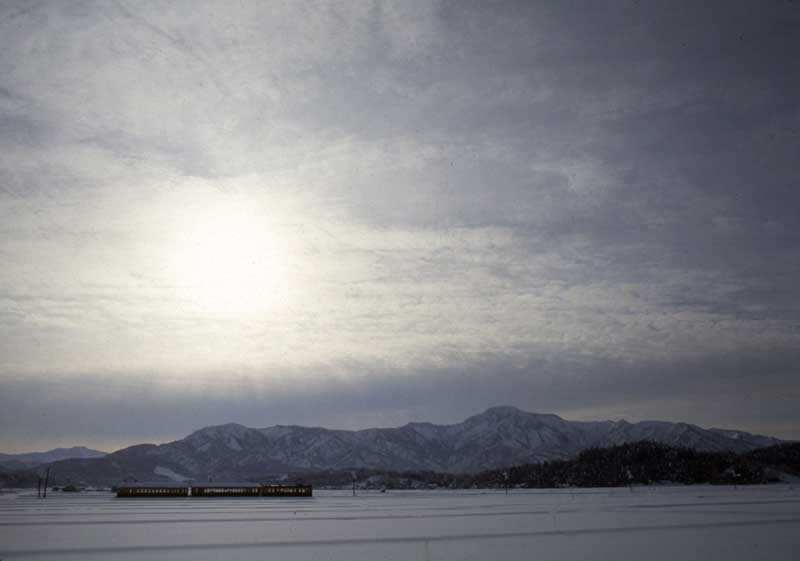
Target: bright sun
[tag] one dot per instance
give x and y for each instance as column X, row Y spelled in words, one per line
column 229, row 259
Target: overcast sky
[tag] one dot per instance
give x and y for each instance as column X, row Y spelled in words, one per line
column 352, row 214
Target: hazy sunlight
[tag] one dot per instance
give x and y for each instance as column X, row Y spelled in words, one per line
column 228, row 259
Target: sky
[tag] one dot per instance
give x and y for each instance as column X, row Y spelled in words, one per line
column 355, row 214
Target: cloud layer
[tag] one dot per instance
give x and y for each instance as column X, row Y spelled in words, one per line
column 396, row 211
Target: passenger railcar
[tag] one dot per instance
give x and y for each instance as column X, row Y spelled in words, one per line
column 153, row 490
column 286, row 490
column 226, row 489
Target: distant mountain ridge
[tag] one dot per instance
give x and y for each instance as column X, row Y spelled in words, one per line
column 498, row 437
column 33, row 459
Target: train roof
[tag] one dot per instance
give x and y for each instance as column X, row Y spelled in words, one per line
column 153, row 485
column 202, row 484
column 215, row 484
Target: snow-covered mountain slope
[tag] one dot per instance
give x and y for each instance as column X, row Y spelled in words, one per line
column 498, row 437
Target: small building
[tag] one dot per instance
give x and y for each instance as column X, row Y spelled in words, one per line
column 159, row 489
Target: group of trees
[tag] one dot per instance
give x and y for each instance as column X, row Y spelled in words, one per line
column 647, row 463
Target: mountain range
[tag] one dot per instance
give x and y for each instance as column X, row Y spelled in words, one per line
column 33, row 459
column 498, row 437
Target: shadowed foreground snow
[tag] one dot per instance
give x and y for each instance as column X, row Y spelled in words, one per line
column 649, row 523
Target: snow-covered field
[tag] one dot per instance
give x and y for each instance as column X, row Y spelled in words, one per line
column 672, row 523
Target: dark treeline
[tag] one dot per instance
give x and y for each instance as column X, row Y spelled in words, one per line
column 643, row 463
column 19, row 478
column 783, row 457
column 638, row 463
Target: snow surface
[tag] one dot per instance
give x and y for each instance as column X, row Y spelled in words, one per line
column 166, row 472
column 649, row 523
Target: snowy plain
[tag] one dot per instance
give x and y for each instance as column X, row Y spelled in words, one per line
column 660, row 522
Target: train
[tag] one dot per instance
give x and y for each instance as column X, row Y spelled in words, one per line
column 211, row 489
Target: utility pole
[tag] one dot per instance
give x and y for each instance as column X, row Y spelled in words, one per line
column 505, row 480
column 353, row 475
column 46, row 480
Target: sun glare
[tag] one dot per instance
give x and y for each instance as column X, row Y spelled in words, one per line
column 229, row 259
